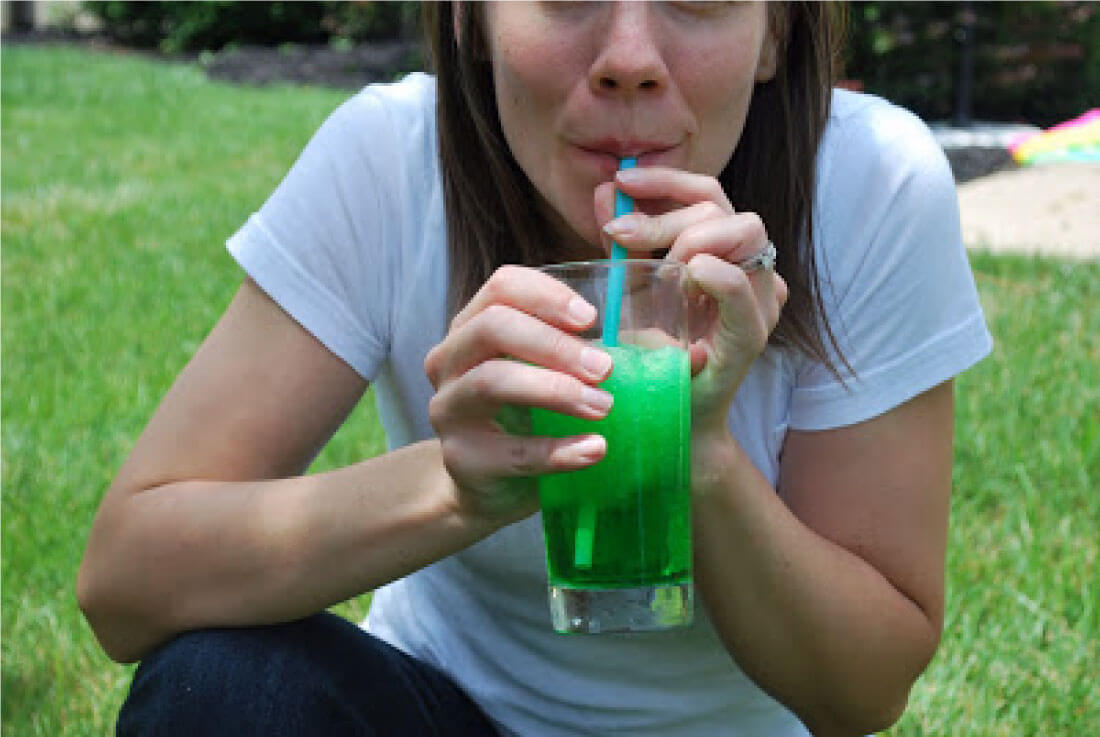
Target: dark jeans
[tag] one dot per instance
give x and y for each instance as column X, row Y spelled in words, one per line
column 320, row 676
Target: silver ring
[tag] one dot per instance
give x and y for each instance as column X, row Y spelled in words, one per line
column 765, row 259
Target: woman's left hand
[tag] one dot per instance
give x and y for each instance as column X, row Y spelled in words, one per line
column 690, row 215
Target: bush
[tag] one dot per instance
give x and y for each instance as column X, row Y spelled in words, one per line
column 1033, row 61
column 195, row 26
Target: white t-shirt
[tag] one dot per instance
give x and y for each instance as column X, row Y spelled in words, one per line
column 352, row 244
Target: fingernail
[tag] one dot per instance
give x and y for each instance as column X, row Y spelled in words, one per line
column 629, row 176
column 590, row 448
column 597, row 399
column 623, row 225
column 597, row 363
column 581, row 311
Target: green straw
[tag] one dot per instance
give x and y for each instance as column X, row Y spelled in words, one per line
column 586, row 534
column 586, row 520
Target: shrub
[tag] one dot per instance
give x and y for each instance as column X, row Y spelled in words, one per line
column 195, row 26
column 1034, row 61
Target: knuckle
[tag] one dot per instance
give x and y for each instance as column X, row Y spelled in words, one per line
column 483, row 379
column 499, row 283
column 761, row 334
column 716, row 192
column 560, row 386
column 560, row 346
column 782, row 293
column 525, row 456
column 492, row 287
column 450, row 448
column 710, row 209
column 774, row 315
column 433, row 366
column 437, row 412
column 495, row 314
column 754, row 226
column 507, row 272
column 656, row 229
column 494, row 319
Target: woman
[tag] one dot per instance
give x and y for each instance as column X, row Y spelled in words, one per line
column 822, row 429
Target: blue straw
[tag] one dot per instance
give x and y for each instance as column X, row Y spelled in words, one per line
column 616, row 276
column 585, row 536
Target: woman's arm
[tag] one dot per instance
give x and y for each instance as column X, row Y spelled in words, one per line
column 830, row 595
column 210, row 523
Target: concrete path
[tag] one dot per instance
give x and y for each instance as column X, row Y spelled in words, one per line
column 1052, row 210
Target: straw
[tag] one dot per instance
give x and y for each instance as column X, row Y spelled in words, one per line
column 617, row 274
column 585, row 537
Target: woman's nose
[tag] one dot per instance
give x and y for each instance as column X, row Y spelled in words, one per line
column 629, row 60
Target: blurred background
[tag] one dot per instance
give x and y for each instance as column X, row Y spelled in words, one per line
column 137, row 136
column 995, row 70
column 1037, row 62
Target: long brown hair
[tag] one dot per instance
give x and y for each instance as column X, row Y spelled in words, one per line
column 492, row 218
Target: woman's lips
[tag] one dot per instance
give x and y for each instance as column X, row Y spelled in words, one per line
column 606, row 154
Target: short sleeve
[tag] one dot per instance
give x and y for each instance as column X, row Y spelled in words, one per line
column 321, row 245
column 896, row 282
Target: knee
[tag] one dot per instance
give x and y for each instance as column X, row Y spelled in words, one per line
column 199, row 659
column 218, row 681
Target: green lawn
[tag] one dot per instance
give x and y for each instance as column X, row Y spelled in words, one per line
column 123, row 177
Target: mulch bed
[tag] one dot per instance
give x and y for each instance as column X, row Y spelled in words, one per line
column 349, row 69
column 972, row 162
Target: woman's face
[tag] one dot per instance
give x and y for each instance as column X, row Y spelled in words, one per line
column 581, row 84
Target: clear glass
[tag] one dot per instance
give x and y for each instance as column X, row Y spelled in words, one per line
column 618, row 533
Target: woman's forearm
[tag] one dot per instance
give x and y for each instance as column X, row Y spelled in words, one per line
column 195, row 554
column 811, row 622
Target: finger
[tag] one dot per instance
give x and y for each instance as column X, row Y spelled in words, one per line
column 502, row 331
column 479, row 394
column 781, row 290
column 705, row 309
column 604, row 204
column 697, row 354
column 771, row 294
column 742, row 330
column 732, row 238
column 492, row 455
column 637, row 231
column 677, row 185
column 533, row 292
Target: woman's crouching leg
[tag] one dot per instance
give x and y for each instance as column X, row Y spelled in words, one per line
column 318, row 676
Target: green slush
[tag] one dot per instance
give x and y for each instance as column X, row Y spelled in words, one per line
column 625, row 522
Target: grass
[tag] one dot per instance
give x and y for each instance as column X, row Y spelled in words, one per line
column 123, row 177
column 121, row 181
column 1020, row 642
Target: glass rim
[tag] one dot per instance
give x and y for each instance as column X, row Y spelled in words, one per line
column 605, row 263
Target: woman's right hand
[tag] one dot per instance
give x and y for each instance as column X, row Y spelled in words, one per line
column 514, row 345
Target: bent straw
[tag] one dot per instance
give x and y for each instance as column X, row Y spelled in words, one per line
column 586, row 521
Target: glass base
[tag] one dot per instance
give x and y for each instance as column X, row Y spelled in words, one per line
column 642, row 609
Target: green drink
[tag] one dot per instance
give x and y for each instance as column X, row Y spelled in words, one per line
column 626, row 521
column 618, row 533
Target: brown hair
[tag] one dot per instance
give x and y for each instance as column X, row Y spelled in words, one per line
column 491, row 214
